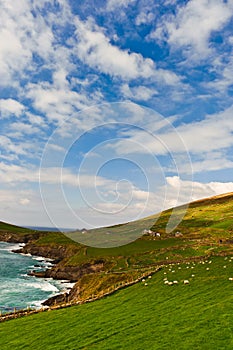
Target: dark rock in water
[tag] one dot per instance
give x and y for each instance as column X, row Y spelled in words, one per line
column 41, row 274
column 57, row 299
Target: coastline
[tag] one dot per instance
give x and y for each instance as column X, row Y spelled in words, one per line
column 42, row 264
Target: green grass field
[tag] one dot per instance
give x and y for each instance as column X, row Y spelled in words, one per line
column 198, row 315
column 152, row 316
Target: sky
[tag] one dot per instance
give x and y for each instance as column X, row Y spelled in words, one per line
column 113, row 110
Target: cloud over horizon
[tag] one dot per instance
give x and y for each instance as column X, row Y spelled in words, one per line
column 66, row 65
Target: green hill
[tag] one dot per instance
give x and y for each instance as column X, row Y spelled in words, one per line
column 153, row 316
column 150, row 314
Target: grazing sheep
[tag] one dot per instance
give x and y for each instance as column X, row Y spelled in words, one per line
column 193, row 275
column 166, row 282
column 175, row 282
column 224, row 266
column 149, row 276
column 207, row 268
column 230, row 278
column 143, row 280
column 186, row 281
column 146, row 284
column 170, row 283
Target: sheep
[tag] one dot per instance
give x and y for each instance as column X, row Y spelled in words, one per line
column 149, row 276
column 175, row 282
column 143, row 280
column 193, row 275
column 186, row 281
column 230, row 278
column 146, row 284
column 207, row 268
column 170, row 283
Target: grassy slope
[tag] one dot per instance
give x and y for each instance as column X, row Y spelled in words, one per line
column 156, row 316
column 4, row 227
column 204, row 223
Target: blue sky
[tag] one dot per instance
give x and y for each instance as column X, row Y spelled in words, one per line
column 112, row 110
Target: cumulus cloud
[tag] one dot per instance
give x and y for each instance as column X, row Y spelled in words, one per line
column 21, row 35
column 192, row 25
column 95, row 49
column 10, row 107
column 113, row 4
column 197, row 190
column 138, row 93
column 210, row 134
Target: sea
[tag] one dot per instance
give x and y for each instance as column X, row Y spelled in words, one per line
column 18, row 290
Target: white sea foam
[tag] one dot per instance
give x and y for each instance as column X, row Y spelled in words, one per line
column 45, row 286
column 11, row 246
column 38, row 258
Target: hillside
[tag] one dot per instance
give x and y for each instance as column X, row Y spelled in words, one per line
column 148, row 315
column 206, row 230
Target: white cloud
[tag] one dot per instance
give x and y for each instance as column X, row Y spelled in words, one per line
column 210, row 134
column 224, row 69
column 197, row 190
column 140, row 93
column 113, row 4
column 193, row 25
column 55, row 102
column 144, row 17
column 19, row 129
column 10, row 107
column 21, row 35
column 95, row 49
column 10, row 147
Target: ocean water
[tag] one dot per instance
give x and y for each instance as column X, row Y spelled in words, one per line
column 17, row 289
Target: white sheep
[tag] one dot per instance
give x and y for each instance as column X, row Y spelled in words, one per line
column 230, row 278
column 186, row 281
column 175, row 282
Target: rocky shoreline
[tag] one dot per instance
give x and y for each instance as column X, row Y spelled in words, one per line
column 58, row 254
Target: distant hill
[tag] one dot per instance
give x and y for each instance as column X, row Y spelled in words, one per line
column 152, row 313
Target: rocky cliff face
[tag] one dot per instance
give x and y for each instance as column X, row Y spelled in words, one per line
column 12, row 237
column 60, row 254
column 55, row 252
column 71, row 273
